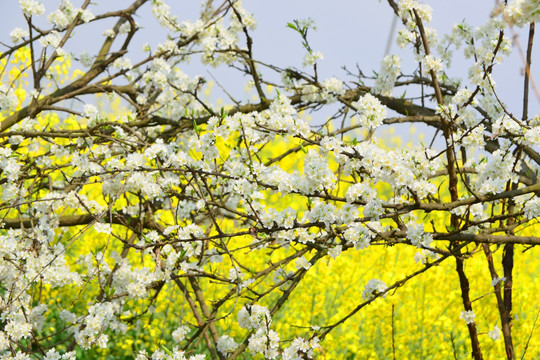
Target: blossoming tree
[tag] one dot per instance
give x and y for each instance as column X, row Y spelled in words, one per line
column 169, row 214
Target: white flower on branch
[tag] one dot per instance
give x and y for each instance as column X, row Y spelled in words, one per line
column 226, row 345
column 371, row 111
column 495, row 334
column 32, row 7
column 311, row 58
column 468, row 316
column 373, row 288
column 18, row 34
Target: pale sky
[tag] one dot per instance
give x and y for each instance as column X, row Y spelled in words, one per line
column 349, row 33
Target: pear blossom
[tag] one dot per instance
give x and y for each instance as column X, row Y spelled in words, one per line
column 32, row 7
column 372, row 288
column 17, row 34
column 468, row 316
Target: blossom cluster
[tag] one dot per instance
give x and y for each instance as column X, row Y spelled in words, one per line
column 173, row 203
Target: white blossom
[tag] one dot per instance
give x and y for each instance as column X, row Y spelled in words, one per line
column 532, row 208
column 468, row 316
column 497, row 280
column 373, row 288
column 432, row 63
column 387, row 76
column 371, row 111
column 8, row 99
column 495, row 334
column 253, row 316
column 265, row 342
column 302, row 263
column 17, row 34
column 180, row 333
column 52, row 39
column 122, row 63
column 311, row 58
column 91, row 112
column 87, row 16
column 417, row 236
column 32, row 7
column 226, row 345
column 520, row 12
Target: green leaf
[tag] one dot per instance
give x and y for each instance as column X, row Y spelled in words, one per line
column 169, row 352
column 109, row 291
column 292, row 26
column 223, row 113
